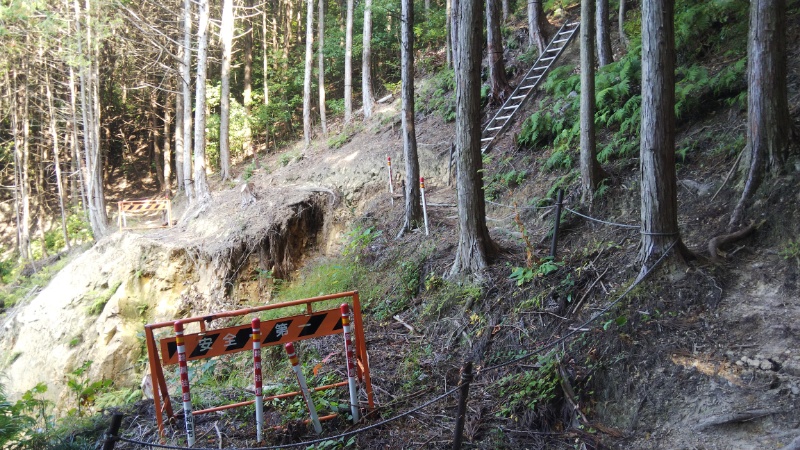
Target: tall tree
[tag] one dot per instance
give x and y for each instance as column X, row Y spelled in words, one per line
column 368, row 97
column 768, row 120
column 307, row 74
column 247, row 79
column 51, row 111
column 202, row 194
column 497, row 69
column 226, row 36
column 88, row 51
column 21, row 131
column 348, row 64
column 186, row 88
column 448, row 31
column 475, row 247
column 604, row 53
column 412, row 193
column 536, row 25
column 623, row 39
column 590, row 168
column 321, row 66
column 659, row 200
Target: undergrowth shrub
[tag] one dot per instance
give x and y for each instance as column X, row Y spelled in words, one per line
column 437, row 96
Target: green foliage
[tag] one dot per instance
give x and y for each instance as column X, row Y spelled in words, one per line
column 83, row 389
column 438, row 95
column 791, row 250
column 445, row 294
column 358, row 239
column 706, row 27
column 248, row 171
column 531, row 389
column 24, row 288
column 239, row 128
column 98, row 300
column 524, row 275
column 12, row 420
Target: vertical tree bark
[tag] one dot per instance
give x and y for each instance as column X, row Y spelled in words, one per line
column 590, row 169
column 348, row 64
column 186, row 77
column 307, row 73
column 90, row 111
column 167, row 147
column 202, row 193
column 659, row 201
column 248, row 77
column 21, row 159
column 604, row 52
column 768, row 120
column 412, row 193
column 155, row 140
column 475, row 247
column 368, row 97
column 449, row 33
column 321, row 66
column 179, row 148
column 623, row 39
column 51, row 112
column 497, row 69
column 536, row 24
column 504, row 4
column 226, row 36
column 264, row 53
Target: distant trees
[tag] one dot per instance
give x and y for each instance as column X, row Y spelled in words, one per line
column 201, row 191
column 413, row 208
column 536, row 25
column 590, row 168
column 348, row 64
column 494, row 49
column 367, row 96
column 604, row 53
column 768, row 121
column 307, row 72
column 226, row 36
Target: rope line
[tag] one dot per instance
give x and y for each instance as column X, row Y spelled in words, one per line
column 579, row 329
column 621, row 225
column 305, row 443
column 520, row 207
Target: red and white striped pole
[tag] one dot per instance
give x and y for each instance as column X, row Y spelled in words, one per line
column 301, row 380
column 351, row 360
column 184, row 374
column 258, row 381
column 391, row 186
column 424, row 205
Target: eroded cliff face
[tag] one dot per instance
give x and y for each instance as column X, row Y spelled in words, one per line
column 95, row 308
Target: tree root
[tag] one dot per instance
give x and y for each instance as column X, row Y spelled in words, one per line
column 715, row 243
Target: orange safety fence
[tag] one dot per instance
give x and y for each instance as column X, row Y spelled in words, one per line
column 141, row 208
column 207, row 343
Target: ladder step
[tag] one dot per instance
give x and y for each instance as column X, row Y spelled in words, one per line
column 518, row 97
column 553, row 50
column 560, row 41
column 493, row 128
column 502, row 118
column 549, row 58
column 486, row 139
column 530, row 86
column 511, row 106
column 540, row 68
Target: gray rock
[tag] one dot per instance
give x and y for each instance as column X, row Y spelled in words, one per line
column 765, row 365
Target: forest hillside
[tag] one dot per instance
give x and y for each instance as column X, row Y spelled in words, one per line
column 590, row 318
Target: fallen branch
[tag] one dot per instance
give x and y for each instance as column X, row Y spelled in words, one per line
column 738, row 417
column 715, row 243
column 730, row 172
column 586, row 294
column 404, row 323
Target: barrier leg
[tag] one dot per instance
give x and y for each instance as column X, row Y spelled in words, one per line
column 424, row 205
column 351, row 361
column 184, row 373
column 391, row 186
column 258, row 381
column 301, row 380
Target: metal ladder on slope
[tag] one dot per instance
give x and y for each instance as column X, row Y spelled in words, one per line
column 505, row 115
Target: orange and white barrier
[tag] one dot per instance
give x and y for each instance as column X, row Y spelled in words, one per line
column 424, row 205
column 351, row 361
column 184, row 375
column 301, row 380
column 256, row 323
